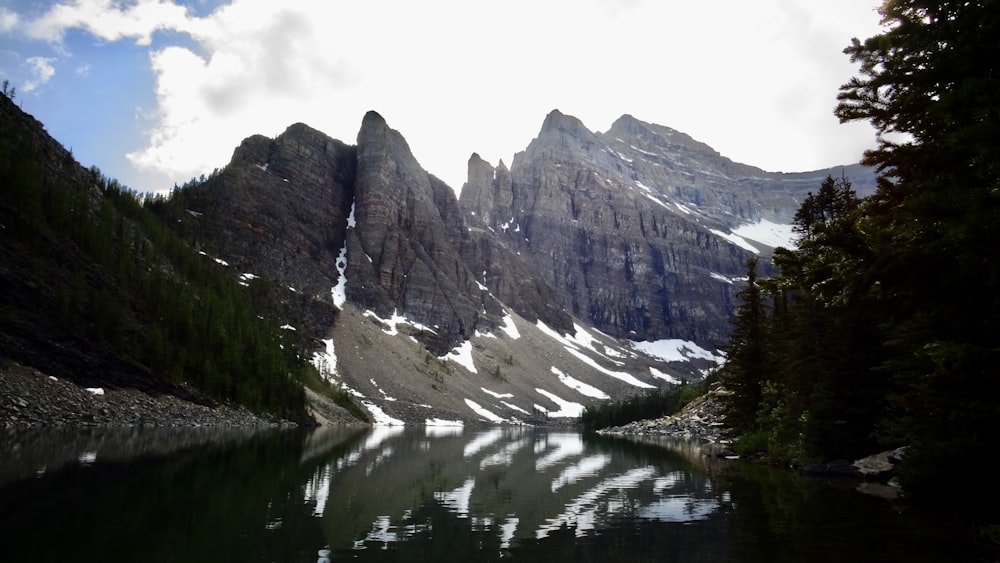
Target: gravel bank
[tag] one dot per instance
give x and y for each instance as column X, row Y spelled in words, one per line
column 29, row 397
column 700, row 420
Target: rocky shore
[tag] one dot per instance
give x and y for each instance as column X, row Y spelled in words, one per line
column 29, row 397
column 700, row 420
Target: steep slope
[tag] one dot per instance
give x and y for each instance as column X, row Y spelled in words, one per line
column 425, row 306
column 365, row 224
column 399, row 295
column 277, row 212
column 97, row 292
column 421, row 305
column 640, row 231
column 523, row 371
column 684, row 171
column 409, row 231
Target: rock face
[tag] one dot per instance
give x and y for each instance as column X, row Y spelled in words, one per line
column 633, row 229
column 424, row 305
column 314, row 213
column 421, row 257
column 639, row 232
column 280, row 208
column 410, row 233
column 279, row 211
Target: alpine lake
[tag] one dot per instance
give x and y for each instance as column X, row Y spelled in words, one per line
column 433, row 494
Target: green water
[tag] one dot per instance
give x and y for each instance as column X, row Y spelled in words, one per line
column 431, row 494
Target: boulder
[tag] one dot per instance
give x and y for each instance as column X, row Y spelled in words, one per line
column 881, row 466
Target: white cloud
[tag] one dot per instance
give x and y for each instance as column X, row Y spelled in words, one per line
column 8, row 20
column 41, row 72
column 267, row 65
column 757, row 81
column 106, row 20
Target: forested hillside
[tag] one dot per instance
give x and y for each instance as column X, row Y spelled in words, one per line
column 880, row 329
column 97, row 291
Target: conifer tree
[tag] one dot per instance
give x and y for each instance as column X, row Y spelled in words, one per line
column 930, row 84
column 747, row 365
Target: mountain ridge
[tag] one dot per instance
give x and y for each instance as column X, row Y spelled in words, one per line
column 596, row 235
column 595, row 209
column 520, row 298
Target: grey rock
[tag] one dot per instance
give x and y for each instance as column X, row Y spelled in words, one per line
column 410, row 229
column 284, row 206
column 699, row 420
column 623, row 225
column 881, row 466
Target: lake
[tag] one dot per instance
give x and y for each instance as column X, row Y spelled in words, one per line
column 431, row 494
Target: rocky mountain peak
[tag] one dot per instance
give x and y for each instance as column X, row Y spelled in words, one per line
column 562, row 130
column 375, row 132
column 409, row 231
column 628, row 127
column 631, row 232
column 557, row 121
column 632, row 136
column 632, row 228
column 373, row 122
column 255, row 149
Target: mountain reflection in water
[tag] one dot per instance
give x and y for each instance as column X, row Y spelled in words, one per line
column 518, row 482
column 442, row 494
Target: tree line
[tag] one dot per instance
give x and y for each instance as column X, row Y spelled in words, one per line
column 880, row 328
column 652, row 404
column 108, row 271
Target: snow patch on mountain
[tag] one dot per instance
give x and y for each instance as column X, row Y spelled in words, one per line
column 737, row 240
column 676, row 350
column 720, row 277
column 769, row 233
column 619, row 375
column 339, row 291
column 567, row 409
column 496, row 395
column 664, row 376
column 326, row 362
column 580, row 339
column 514, row 407
column 509, row 328
column 379, row 416
column 583, row 339
column 396, row 320
column 579, row 386
column 462, row 355
column 482, row 411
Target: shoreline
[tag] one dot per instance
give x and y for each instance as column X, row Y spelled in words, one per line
column 30, row 398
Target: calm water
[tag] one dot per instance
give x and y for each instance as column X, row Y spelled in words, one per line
column 430, row 494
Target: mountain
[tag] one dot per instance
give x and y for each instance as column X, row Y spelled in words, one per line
column 99, row 293
column 599, row 265
column 640, row 231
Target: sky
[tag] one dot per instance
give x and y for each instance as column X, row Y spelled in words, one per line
column 155, row 92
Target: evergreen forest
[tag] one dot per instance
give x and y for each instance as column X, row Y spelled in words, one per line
column 98, row 291
column 880, row 328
